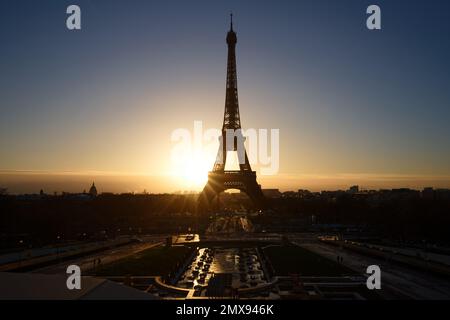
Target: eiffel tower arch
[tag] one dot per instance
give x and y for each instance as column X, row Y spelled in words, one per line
column 220, row 179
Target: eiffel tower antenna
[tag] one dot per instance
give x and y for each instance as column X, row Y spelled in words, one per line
column 231, row 21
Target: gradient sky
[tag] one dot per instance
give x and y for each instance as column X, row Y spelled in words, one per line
column 352, row 105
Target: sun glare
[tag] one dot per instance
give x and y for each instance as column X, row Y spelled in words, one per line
column 192, row 170
column 196, row 172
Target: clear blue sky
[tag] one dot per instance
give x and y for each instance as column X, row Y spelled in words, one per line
column 346, row 100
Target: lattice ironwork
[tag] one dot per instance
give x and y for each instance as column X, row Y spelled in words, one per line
column 243, row 179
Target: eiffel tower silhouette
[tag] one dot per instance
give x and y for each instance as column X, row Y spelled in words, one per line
column 243, row 179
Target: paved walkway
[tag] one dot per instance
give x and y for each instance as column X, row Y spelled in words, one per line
column 412, row 283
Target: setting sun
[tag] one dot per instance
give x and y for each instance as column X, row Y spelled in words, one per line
column 196, row 172
column 191, row 169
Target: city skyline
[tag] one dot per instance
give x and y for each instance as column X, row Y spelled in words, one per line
column 357, row 107
column 29, row 183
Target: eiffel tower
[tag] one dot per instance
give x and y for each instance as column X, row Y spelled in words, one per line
column 243, row 179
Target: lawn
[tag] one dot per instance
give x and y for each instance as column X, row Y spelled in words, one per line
column 154, row 261
column 292, row 259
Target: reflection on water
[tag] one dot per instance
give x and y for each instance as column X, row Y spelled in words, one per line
column 242, row 263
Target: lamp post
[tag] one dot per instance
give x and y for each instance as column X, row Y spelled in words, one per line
column 58, row 237
column 21, row 252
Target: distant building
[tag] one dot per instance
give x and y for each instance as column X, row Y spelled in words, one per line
column 271, row 193
column 290, row 194
column 305, row 194
column 442, row 194
column 93, row 190
column 331, row 195
column 428, row 193
column 353, row 189
column 435, row 194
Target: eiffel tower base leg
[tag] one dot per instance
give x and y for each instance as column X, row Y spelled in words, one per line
column 221, row 181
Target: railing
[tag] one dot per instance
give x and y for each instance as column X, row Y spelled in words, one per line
column 232, row 172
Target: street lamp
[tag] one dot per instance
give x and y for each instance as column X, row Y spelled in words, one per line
column 21, row 252
column 58, row 237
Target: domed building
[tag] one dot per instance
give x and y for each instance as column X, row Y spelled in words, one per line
column 93, row 190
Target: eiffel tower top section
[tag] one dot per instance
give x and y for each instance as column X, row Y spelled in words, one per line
column 231, row 118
